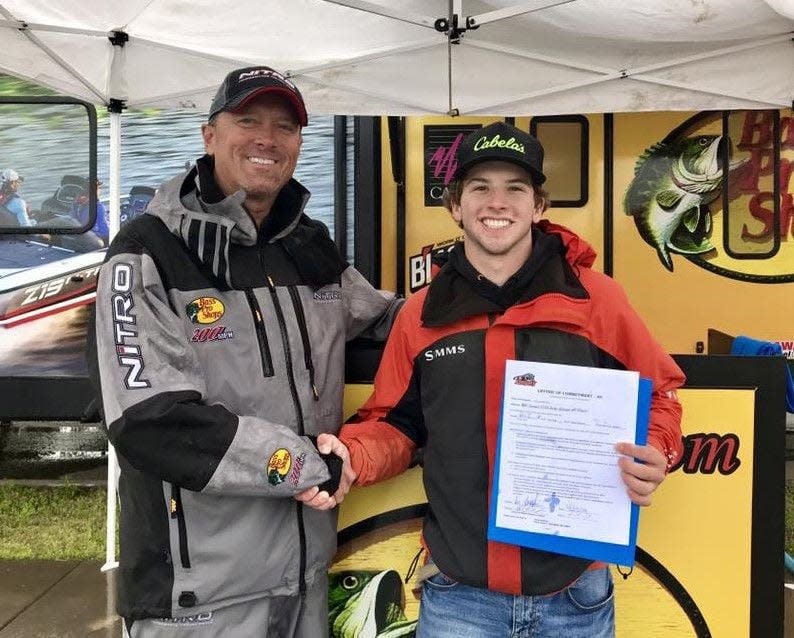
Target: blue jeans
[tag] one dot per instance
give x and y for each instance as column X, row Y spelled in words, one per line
column 453, row 610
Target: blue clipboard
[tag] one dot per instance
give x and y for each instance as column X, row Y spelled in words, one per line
column 594, row 550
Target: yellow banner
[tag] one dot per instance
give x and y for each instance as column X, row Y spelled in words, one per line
column 694, row 543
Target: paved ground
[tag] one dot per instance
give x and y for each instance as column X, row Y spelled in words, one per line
column 57, row 599
column 73, row 599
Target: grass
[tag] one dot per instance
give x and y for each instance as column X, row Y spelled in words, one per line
column 60, row 523
column 68, row 522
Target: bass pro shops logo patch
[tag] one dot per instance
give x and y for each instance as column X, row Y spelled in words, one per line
column 278, row 466
column 205, row 310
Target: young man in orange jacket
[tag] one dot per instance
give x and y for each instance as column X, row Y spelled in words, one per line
column 518, row 287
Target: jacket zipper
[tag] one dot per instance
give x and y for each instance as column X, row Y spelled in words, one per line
column 298, row 413
column 179, row 515
column 307, row 348
column 261, row 334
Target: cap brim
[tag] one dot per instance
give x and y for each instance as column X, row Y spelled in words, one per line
column 245, row 98
column 537, row 177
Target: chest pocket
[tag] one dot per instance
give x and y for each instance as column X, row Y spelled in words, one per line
column 553, row 346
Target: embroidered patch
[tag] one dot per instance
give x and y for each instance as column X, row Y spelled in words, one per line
column 327, row 295
column 204, row 618
column 205, row 310
column 216, row 333
column 278, row 466
column 295, row 475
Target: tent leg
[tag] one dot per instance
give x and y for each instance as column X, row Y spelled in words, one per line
column 115, row 223
column 115, row 172
column 110, row 521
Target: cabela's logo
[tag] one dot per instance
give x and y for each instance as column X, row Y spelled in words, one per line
column 205, row 310
column 497, row 142
column 278, row 466
column 711, row 198
column 525, row 379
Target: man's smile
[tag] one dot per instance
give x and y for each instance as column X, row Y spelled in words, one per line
column 495, row 222
column 261, row 160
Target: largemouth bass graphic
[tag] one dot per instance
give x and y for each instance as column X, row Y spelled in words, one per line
column 367, row 604
column 674, row 182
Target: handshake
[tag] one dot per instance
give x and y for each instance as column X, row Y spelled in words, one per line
column 319, row 498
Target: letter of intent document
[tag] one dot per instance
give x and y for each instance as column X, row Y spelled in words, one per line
column 557, row 464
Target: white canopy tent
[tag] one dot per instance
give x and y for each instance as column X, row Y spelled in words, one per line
column 387, row 57
column 377, row 57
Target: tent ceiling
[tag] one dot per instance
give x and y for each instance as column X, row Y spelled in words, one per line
column 385, row 57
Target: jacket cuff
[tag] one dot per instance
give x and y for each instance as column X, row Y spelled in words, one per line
column 334, row 465
column 670, row 455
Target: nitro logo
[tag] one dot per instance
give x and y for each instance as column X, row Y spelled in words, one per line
column 709, row 453
column 419, row 266
column 204, row 618
column 265, row 73
column 128, row 351
column 327, row 295
column 446, row 351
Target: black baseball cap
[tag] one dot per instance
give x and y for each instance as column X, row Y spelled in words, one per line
column 241, row 85
column 501, row 142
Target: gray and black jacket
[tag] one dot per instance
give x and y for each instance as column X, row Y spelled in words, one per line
column 220, row 353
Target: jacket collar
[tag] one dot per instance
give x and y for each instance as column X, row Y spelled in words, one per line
column 194, row 208
column 458, row 291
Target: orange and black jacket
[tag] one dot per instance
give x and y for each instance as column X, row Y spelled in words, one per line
column 439, row 387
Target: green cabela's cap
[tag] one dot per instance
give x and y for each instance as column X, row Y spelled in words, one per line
column 501, row 142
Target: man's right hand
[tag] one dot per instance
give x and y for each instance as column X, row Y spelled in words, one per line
column 320, row 499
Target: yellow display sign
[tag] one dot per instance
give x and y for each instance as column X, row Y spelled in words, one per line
column 693, row 570
column 693, row 213
column 703, row 213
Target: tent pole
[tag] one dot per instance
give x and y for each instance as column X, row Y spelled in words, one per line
column 115, row 170
column 110, row 519
column 115, row 222
column 511, row 12
column 386, row 12
column 25, row 30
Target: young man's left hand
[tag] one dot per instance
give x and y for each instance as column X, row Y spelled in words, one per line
column 643, row 477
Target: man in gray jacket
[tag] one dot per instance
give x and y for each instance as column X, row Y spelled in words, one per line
column 221, row 321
